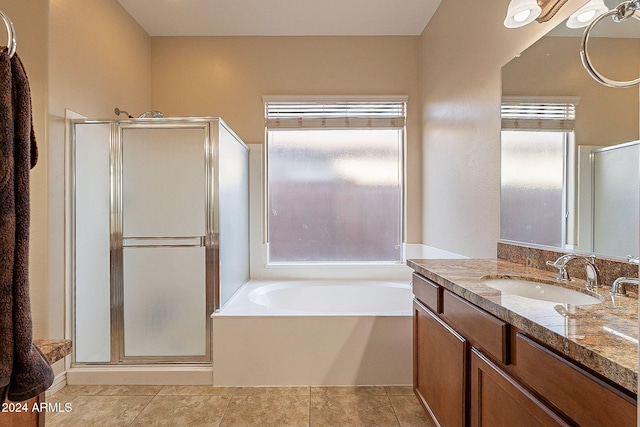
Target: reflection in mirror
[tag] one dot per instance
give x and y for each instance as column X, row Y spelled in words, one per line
column 615, row 199
column 570, row 152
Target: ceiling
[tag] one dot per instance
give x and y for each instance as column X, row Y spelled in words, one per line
column 281, row 17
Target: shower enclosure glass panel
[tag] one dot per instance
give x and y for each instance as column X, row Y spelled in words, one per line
column 164, row 302
column 164, row 226
column 233, row 173
column 92, row 243
column 163, row 192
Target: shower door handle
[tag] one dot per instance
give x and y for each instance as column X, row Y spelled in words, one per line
column 166, row 242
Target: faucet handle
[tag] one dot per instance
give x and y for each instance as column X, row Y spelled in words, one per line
column 563, row 274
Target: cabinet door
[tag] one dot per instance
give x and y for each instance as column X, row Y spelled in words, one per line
column 498, row 401
column 439, row 368
column 576, row 393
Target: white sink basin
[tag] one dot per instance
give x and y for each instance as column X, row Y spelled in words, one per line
column 541, row 291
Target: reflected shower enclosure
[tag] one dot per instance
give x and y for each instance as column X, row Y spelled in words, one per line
column 616, row 201
column 160, row 236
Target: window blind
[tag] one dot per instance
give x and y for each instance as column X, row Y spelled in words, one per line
column 538, row 115
column 296, row 114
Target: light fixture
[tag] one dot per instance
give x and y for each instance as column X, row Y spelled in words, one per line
column 586, row 14
column 521, row 13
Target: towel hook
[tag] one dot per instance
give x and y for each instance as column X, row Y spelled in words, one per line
column 11, row 34
column 620, row 13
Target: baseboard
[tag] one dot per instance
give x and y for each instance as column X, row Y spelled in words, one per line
column 59, row 382
column 140, row 375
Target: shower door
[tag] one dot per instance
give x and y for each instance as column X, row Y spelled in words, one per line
column 163, row 244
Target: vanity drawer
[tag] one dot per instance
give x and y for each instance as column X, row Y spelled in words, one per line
column 572, row 390
column 482, row 329
column 428, row 293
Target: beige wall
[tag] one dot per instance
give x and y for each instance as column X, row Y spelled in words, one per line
column 90, row 59
column 552, row 67
column 227, row 77
column 99, row 58
column 463, row 50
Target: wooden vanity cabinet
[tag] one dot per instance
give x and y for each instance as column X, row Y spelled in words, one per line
column 439, row 368
column 471, row 368
column 21, row 414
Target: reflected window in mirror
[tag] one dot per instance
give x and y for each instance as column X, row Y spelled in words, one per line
column 537, row 139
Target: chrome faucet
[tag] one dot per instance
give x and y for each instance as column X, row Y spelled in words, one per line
column 590, row 269
column 618, row 287
column 153, row 114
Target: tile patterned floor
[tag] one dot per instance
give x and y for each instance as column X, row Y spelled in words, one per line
column 236, row 406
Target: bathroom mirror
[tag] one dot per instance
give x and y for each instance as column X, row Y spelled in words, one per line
column 570, row 152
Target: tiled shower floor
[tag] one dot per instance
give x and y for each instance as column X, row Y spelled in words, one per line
column 99, row 406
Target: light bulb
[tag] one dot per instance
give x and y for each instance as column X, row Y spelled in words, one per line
column 521, row 16
column 586, row 14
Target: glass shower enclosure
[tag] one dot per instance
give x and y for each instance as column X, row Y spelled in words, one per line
column 160, row 236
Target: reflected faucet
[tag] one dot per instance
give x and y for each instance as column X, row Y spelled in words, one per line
column 618, row 287
column 590, row 269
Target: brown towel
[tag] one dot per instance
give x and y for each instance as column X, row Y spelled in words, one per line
column 23, row 367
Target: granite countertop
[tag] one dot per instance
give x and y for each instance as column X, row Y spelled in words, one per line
column 54, row 350
column 603, row 337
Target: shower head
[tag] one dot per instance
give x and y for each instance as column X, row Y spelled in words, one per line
column 153, row 114
column 119, row 111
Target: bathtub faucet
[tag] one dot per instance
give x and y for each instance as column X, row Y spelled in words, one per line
column 589, row 264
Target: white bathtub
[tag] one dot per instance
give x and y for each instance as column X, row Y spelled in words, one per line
column 312, row 332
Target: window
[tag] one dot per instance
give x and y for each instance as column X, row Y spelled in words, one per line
column 334, row 180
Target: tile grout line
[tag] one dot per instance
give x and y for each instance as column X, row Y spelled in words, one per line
column 226, row 409
column 145, row 406
column 393, row 408
column 309, row 409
